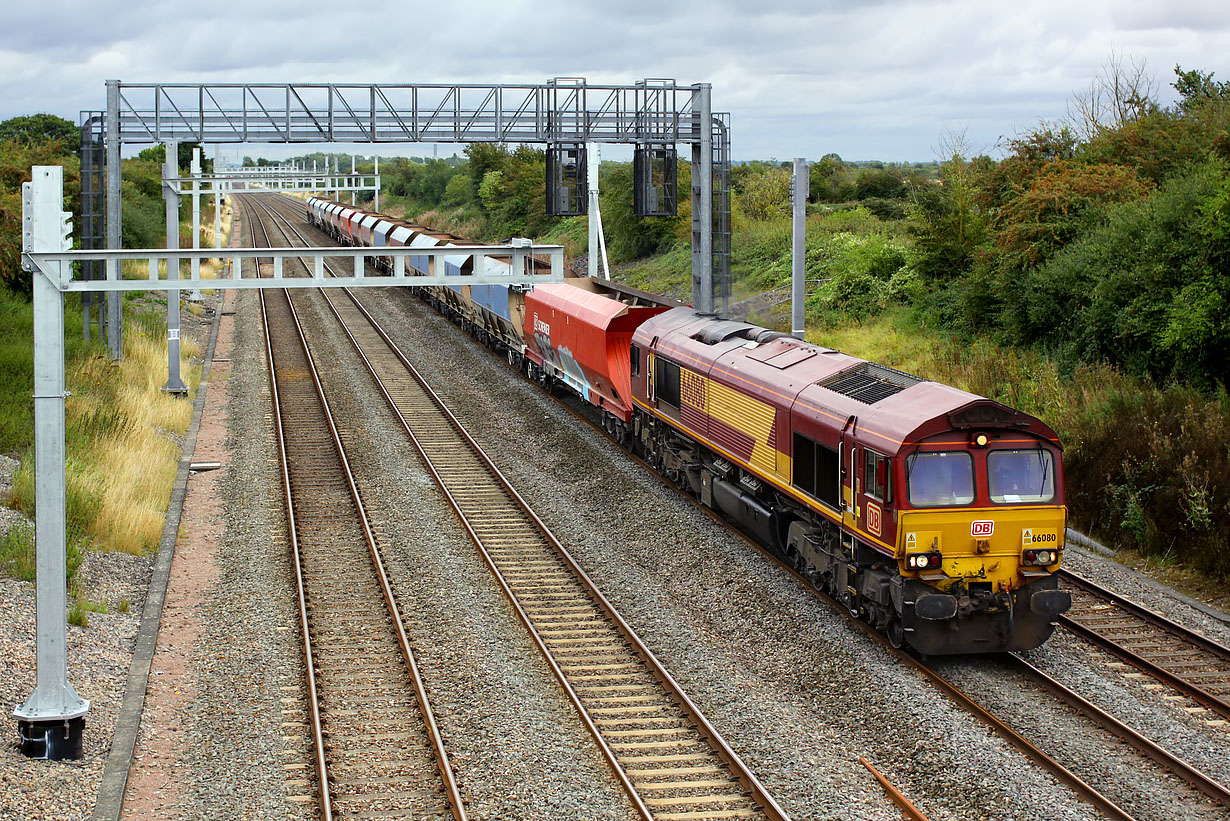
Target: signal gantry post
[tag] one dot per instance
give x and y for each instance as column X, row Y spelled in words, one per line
column 51, row 720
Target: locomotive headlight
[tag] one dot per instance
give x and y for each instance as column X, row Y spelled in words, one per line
column 981, row 440
column 1044, row 557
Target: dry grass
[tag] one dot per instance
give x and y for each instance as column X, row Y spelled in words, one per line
column 141, row 462
column 123, row 441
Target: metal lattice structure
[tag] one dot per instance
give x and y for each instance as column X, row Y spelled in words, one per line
column 92, row 226
column 564, row 110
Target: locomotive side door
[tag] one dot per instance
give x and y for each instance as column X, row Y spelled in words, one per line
column 849, row 476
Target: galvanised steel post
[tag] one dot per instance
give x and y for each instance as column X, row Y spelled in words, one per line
column 702, row 200
column 376, row 205
column 593, row 159
column 170, row 170
column 51, row 720
column 217, row 192
column 115, row 300
column 195, row 171
column 798, row 274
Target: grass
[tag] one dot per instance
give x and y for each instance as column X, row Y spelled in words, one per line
column 17, row 557
column 122, row 431
column 121, row 440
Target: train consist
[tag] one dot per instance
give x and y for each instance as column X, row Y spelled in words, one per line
column 935, row 514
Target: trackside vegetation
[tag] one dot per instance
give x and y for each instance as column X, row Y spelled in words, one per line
column 122, row 431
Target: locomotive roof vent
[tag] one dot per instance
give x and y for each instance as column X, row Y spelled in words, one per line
column 985, row 415
column 868, row 382
column 715, row 332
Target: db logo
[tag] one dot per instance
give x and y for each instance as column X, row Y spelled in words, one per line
column 982, row 529
column 873, row 519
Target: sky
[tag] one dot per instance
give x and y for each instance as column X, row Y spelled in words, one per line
column 888, row 80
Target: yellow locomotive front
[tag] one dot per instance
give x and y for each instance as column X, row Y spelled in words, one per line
column 980, row 535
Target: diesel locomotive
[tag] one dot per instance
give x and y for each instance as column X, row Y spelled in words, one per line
column 936, row 515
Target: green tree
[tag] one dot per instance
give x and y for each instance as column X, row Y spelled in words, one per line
column 1197, row 89
column 17, row 157
column 183, row 153
column 40, row 128
column 631, row 237
column 946, row 221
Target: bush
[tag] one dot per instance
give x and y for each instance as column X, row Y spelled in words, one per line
column 1147, row 290
column 1148, row 472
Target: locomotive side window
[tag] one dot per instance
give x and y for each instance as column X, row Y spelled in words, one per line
column 1021, row 475
column 666, row 382
column 635, row 358
column 815, row 470
column 940, row 479
column 875, row 476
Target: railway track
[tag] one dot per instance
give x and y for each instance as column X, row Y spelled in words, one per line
column 1187, row 661
column 1190, row 777
column 1106, row 614
column 672, row 764
column 377, row 751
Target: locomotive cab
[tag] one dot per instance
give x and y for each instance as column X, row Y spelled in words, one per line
column 980, row 533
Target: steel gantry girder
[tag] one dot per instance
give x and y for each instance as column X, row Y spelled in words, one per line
column 563, row 110
column 569, row 110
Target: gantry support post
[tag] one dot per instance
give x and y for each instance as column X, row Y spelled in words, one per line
column 170, row 170
column 217, row 192
column 50, row 722
column 195, row 171
column 597, row 242
column 798, row 272
column 702, row 200
column 115, row 237
column 376, row 205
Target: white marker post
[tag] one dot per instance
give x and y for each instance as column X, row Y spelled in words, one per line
column 170, row 170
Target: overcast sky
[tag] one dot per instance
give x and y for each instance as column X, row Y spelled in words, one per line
column 867, row 80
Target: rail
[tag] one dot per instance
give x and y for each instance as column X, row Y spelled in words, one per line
column 667, row 756
column 322, row 490
column 1191, row 663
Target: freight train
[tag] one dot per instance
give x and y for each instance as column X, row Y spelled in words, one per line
column 934, row 514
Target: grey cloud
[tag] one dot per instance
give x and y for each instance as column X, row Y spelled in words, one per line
column 801, row 78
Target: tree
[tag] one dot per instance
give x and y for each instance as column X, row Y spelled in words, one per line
column 40, row 128
column 765, row 193
column 1196, row 88
column 1121, row 93
column 1054, row 208
column 183, row 153
column 17, row 157
column 484, row 157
